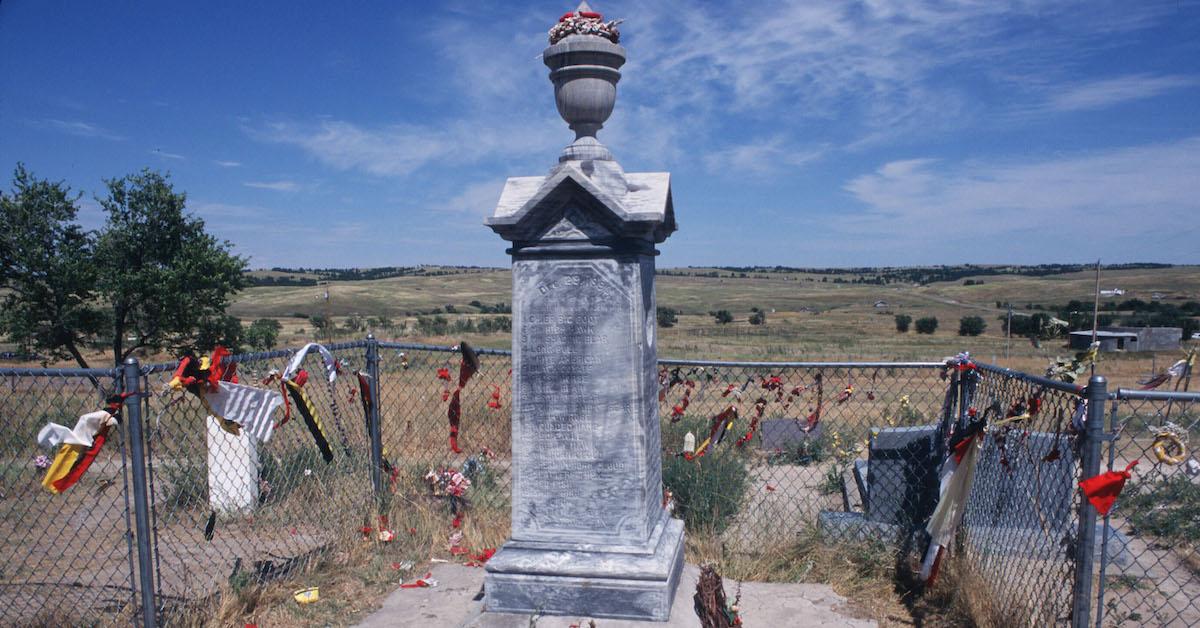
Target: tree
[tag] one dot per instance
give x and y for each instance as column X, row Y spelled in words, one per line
column 902, row 322
column 46, row 270
column 165, row 278
column 262, row 334
column 218, row 329
column 971, row 326
column 666, row 317
column 722, row 316
column 320, row 323
column 927, row 325
column 758, row 317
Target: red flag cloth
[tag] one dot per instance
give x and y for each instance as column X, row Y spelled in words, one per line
column 85, row 461
column 444, row 373
column 1102, row 490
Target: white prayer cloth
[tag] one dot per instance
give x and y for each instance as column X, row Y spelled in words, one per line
column 955, row 488
column 1178, row 369
column 331, row 365
column 247, row 406
column 53, row 434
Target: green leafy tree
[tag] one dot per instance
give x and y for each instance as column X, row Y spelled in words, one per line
column 262, row 334
column 218, row 329
column 165, row 278
column 46, row 270
column 902, row 322
column 927, row 325
column 971, row 326
column 758, row 317
column 722, row 317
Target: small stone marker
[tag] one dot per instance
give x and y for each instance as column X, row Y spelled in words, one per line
column 590, row 535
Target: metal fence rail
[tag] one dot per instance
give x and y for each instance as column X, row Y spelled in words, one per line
column 753, row 454
column 1150, row 541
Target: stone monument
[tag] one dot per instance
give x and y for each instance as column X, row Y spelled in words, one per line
column 590, row 534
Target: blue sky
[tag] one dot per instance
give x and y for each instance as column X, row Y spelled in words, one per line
column 798, row 133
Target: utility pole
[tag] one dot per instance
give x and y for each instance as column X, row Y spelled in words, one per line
column 1008, row 334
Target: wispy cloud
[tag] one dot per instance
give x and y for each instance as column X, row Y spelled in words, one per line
column 478, row 198
column 1114, row 91
column 80, row 128
column 1096, row 201
column 760, row 158
column 165, row 155
column 227, row 164
column 399, row 150
column 278, row 186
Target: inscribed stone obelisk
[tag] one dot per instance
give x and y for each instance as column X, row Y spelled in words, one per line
column 590, row 535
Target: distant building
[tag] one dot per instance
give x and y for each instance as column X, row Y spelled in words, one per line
column 1130, row 338
column 881, row 304
column 1115, row 292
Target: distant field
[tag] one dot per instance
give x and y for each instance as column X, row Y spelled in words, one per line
column 808, row 319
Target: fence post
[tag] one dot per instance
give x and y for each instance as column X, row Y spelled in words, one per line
column 141, row 492
column 374, row 426
column 1085, row 539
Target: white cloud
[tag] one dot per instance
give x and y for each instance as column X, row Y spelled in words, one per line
column 1101, row 202
column 278, row 186
column 80, row 129
column 227, row 164
column 478, row 198
column 1114, row 91
column 165, row 155
column 760, row 158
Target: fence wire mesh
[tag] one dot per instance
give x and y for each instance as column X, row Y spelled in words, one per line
column 1021, row 521
column 1150, row 574
column 852, row 449
column 66, row 558
column 236, row 512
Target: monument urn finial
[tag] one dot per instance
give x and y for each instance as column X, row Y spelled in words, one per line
column 584, row 61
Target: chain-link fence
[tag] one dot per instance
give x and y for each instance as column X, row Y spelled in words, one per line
column 1150, row 540
column 237, row 512
column 1021, row 523
column 753, row 454
column 67, row 558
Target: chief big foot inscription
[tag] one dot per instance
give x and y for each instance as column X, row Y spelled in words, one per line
column 583, row 472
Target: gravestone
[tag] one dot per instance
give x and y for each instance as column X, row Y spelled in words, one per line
column 902, row 475
column 1029, row 492
column 590, row 534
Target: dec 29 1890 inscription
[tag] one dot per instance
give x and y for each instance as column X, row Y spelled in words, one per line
column 576, row 372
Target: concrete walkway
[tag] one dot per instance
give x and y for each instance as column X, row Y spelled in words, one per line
column 453, row 604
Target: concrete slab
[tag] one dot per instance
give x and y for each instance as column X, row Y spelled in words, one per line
column 452, row 604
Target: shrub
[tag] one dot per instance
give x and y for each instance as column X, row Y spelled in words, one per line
column 1167, row 509
column 971, row 326
column 709, row 491
column 758, row 318
column 666, row 317
column 722, row 316
column 927, row 325
column 902, row 322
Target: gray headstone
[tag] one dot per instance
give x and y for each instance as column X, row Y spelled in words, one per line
column 902, row 475
column 590, row 535
column 785, row 434
column 1028, row 492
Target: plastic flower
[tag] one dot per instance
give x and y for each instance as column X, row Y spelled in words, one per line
column 41, row 462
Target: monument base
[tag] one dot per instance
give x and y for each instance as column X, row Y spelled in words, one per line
column 573, row 580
